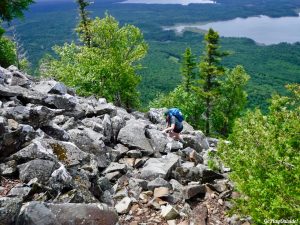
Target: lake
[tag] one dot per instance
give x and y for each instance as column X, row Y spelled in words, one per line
column 181, row 2
column 262, row 29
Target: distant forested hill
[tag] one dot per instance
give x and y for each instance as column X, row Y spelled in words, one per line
column 52, row 22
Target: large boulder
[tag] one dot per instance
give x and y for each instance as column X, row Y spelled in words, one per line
column 197, row 141
column 56, row 132
column 9, row 209
column 156, row 116
column 36, row 213
column 91, row 142
column 53, row 150
column 133, row 136
column 157, row 139
column 40, row 169
column 36, row 116
column 159, row 167
column 50, row 86
column 14, row 140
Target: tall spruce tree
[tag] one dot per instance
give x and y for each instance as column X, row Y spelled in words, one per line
column 211, row 72
column 83, row 28
column 188, row 68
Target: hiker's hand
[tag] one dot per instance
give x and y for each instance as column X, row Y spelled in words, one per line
column 164, row 131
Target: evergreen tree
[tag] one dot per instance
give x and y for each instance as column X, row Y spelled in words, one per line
column 211, row 71
column 83, row 28
column 11, row 9
column 188, row 69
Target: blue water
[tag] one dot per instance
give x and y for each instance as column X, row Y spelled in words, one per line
column 181, row 2
column 262, row 29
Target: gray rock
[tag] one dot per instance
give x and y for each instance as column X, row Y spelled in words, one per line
column 107, row 125
column 102, row 101
column 122, row 113
column 138, row 115
column 157, row 139
column 176, row 186
column 36, row 116
column 113, row 167
column 113, row 176
column 107, row 198
column 9, row 168
column 3, row 123
column 56, row 132
column 104, row 184
column 59, row 88
column 9, row 209
column 196, row 141
column 13, row 141
column 20, row 191
column 193, row 190
column 94, row 123
column 156, row 116
column 66, row 102
column 185, row 175
column 76, row 196
column 19, row 79
column 117, row 123
column 208, row 175
column 187, row 128
column 173, row 146
column 109, row 109
column 133, row 136
column 124, row 205
column 118, row 152
column 169, row 213
column 188, row 165
column 161, row 167
column 68, row 213
column 158, row 182
column 138, row 183
column 41, row 169
column 91, row 142
column 134, row 154
column 49, row 149
column 49, row 86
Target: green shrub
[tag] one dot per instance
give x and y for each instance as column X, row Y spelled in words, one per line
column 265, row 160
column 7, row 52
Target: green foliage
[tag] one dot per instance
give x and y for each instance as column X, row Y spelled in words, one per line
column 231, row 101
column 107, row 68
column 271, row 67
column 210, row 72
column 264, row 157
column 7, row 52
column 12, row 9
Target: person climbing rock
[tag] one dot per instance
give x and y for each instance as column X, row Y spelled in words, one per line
column 174, row 120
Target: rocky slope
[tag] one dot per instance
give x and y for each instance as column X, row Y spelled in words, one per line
column 65, row 159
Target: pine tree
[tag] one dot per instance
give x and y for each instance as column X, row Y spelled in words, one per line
column 83, row 28
column 188, row 69
column 211, row 72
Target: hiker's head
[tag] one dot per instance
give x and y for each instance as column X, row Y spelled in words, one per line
column 167, row 114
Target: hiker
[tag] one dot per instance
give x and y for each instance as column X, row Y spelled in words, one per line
column 174, row 120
